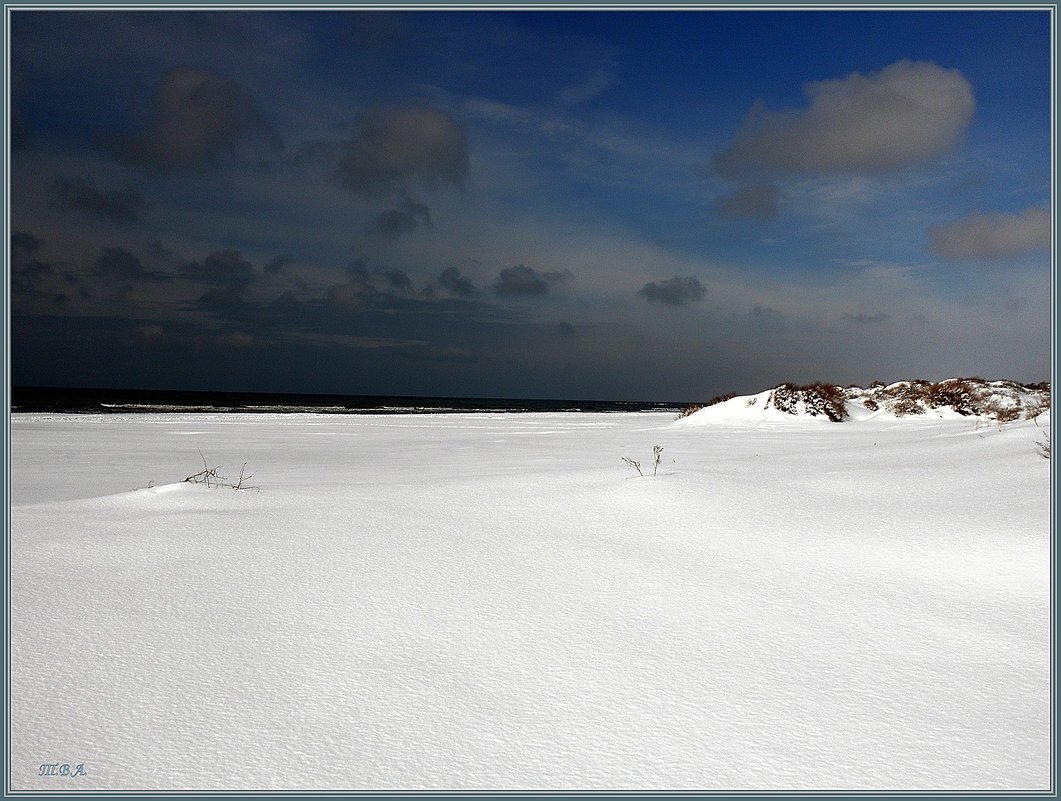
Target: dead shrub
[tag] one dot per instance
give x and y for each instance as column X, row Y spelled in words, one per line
column 1002, row 413
column 959, row 395
column 721, row 398
column 819, row 399
column 902, row 407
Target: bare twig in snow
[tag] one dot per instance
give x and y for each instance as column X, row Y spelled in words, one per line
column 1044, row 446
column 635, row 465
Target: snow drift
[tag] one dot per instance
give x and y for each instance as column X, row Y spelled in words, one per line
column 999, row 401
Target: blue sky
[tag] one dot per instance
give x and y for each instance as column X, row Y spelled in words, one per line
column 606, row 204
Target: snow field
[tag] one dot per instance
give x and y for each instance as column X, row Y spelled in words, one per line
column 497, row 601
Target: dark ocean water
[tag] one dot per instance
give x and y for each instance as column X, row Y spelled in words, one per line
column 131, row 401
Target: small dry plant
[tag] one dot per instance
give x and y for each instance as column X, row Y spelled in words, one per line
column 657, row 456
column 213, row 478
column 1044, row 446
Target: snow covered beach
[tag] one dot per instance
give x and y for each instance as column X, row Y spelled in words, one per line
column 498, row 601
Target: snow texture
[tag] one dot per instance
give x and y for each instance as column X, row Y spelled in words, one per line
column 496, row 601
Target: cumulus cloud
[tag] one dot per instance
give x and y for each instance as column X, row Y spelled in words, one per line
column 992, row 236
column 753, row 202
column 81, row 194
column 453, row 281
column 397, row 222
column 397, row 147
column 523, row 280
column 673, row 292
column 195, row 117
column 907, row 113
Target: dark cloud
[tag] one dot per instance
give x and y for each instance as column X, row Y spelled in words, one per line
column 398, row 147
column 357, row 294
column 907, row 113
column 866, row 319
column 406, row 218
column 673, row 292
column 277, row 265
column 226, row 269
column 523, row 280
column 81, row 194
column 119, row 264
column 377, row 288
column 21, row 131
column 993, row 237
column 397, row 280
column 195, row 117
column 754, row 202
column 24, row 244
column 149, row 332
column 286, row 303
column 27, row 272
column 456, row 283
column 766, row 320
column 225, row 302
column 436, row 354
column 374, row 34
column 237, row 340
column 565, row 329
column 159, row 250
column 377, row 306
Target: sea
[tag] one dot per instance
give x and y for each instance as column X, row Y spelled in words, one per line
column 151, row 401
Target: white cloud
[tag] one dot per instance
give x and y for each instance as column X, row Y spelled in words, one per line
column 907, row 113
column 992, row 236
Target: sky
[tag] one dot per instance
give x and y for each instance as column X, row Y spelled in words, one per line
column 606, row 204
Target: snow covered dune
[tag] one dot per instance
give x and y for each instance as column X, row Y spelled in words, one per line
column 498, row 601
